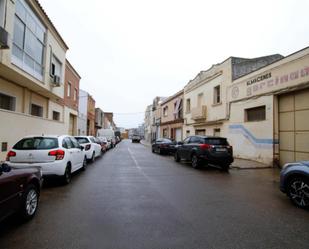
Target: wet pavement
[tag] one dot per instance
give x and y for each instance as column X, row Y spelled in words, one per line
column 131, row 198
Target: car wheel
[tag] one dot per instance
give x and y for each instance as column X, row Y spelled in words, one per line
column 195, row 162
column 67, row 175
column 84, row 163
column 93, row 157
column 30, row 202
column 177, row 157
column 298, row 191
column 225, row 167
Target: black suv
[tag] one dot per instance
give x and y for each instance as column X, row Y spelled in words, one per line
column 205, row 149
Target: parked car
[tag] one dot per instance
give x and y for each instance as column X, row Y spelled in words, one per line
column 19, row 191
column 294, row 181
column 205, row 150
column 136, row 139
column 92, row 148
column 56, row 155
column 163, row 146
column 103, row 142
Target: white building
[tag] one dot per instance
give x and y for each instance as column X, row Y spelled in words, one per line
column 82, row 113
column 31, row 73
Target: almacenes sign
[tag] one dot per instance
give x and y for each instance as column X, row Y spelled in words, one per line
column 258, row 79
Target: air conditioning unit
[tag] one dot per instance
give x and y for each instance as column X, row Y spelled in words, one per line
column 4, row 39
column 56, row 81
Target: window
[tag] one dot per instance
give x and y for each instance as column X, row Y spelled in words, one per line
column 195, row 140
column 75, row 94
column 69, row 89
column 255, row 114
column 7, row 102
column 4, row 146
column 200, row 99
column 165, row 111
column 67, row 143
column 2, row 7
column 37, row 143
column 187, row 133
column 186, row 140
column 28, row 40
column 200, row 132
column 56, row 67
column 56, row 115
column 217, row 132
column 82, row 140
column 188, row 106
column 36, row 110
column 217, row 97
column 165, row 133
column 74, row 142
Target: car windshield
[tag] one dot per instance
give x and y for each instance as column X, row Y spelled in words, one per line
column 82, row 140
column 36, row 143
column 216, row 141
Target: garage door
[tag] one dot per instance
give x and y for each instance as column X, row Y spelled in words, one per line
column 294, row 127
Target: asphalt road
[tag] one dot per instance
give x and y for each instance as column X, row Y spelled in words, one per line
column 131, row 198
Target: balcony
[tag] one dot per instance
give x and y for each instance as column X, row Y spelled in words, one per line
column 199, row 113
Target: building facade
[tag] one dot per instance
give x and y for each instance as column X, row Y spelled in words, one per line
column 109, row 121
column 205, row 100
column 32, row 68
column 99, row 119
column 148, row 123
column 82, row 113
column 269, row 112
column 172, row 117
column 91, row 116
column 71, row 96
column 156, row 118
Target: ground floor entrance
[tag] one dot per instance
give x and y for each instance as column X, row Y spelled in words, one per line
column 294, row 126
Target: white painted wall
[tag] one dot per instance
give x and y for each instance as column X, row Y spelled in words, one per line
column 18, row 125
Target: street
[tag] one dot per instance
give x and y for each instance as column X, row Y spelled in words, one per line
column 132, row 198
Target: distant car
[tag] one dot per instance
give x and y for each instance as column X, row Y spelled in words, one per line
column 92, row 148
column 294, row 181
column 163, row 146
column 136, row 139
column 19, row 191
column 56, row 155
column 103, row 142
column 205, row 150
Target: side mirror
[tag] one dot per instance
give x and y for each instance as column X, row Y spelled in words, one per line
column 82, row 148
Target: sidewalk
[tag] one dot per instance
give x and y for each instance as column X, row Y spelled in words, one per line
column 237, row 164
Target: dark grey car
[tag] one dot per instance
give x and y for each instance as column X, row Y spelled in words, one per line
column 294, row 181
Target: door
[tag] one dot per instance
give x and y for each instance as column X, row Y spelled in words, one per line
column 178, row 134
column 71, row 125
column 78, row 153
column 72, row 155
column 294, row 127
column 9, row 193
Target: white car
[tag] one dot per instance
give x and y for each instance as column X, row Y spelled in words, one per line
column 56, row 155
column 92, row 149
column 107, row 142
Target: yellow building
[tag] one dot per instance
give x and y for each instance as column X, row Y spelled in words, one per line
column 31, row 74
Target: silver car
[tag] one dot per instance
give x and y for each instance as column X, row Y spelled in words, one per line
column 294, row 181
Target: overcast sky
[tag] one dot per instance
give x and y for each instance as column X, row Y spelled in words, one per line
column 129, row 51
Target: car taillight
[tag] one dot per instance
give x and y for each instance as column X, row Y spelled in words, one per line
column 205, row 146
column 87, row 147
column 59, row 154
column 10, row 154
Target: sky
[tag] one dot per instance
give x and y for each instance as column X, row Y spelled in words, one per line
column 130, row 51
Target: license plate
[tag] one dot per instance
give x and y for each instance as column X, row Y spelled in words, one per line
column 221, row 149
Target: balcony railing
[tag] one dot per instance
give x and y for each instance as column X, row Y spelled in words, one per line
column 199, row 113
